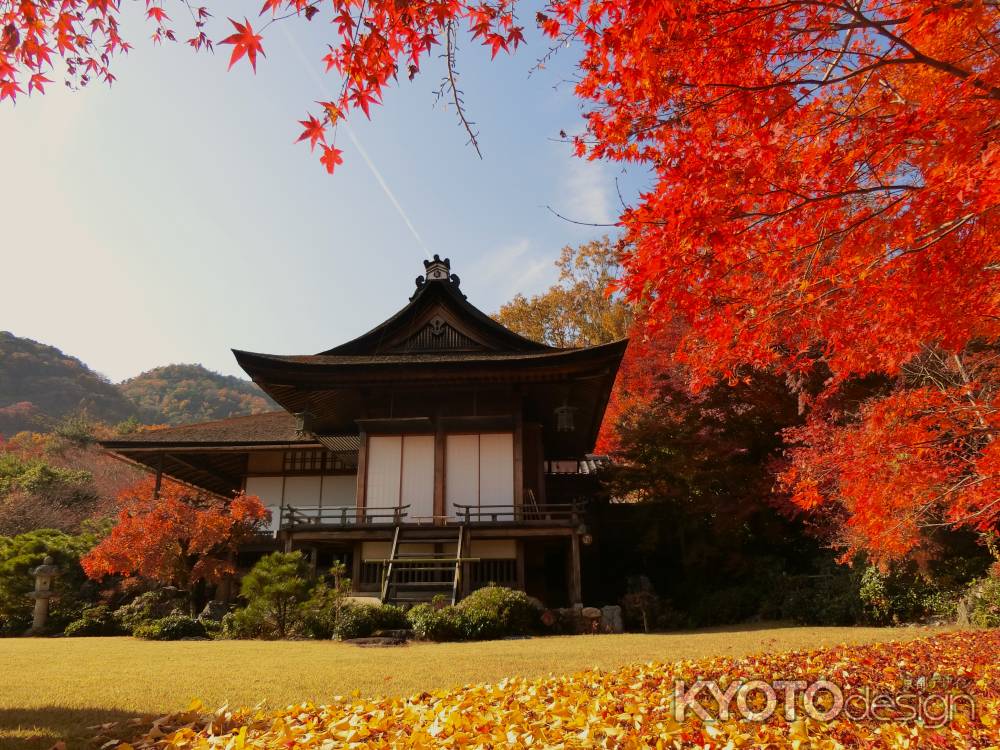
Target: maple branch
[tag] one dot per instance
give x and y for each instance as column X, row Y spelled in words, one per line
column 942, row 65
column 451, row 83
column 581, row 223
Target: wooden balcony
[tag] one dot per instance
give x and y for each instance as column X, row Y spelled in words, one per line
column 348, row 517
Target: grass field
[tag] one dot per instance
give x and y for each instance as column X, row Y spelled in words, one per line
column 53, row 689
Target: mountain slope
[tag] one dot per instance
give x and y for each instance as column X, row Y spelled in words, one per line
column 40, row 385
column 178, row 394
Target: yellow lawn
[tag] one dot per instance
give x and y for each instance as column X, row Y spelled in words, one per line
column 53, row 689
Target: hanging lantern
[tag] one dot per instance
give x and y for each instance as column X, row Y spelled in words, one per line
column 564, row 418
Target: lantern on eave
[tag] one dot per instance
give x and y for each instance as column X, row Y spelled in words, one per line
column 565, row 417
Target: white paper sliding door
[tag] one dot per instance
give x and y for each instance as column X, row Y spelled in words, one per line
column 339, row 490
column 496, row 470
column 269, row 490
column 401, row 472
column 461, row 476
column 479, row 471
column 418, row 477
column 385, row 455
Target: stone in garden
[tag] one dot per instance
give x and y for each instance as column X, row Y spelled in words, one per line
column 591, row 613
column 375, row 642
column 214, row 611
column 611, row 619
column 400, row 634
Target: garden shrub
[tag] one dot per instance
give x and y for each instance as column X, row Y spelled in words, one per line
column 275, row 589
column 432, row 623
column 22, row 553
column 488, row 613
column 244, row 624
column 147, row 607
column 321, row 612
column 171, row 628
column 824, row 599
column 496, row 612
column 904, row 595
column 95, row 621
column 985, row 603
column 640, row 610
column 363, row 620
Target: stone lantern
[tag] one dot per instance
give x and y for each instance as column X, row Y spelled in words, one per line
column 44, row 575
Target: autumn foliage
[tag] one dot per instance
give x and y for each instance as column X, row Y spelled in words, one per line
column 949, row 680
column 825, row 178
column 181, row 538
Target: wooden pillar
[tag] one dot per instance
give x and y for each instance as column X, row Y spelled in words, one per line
column 439, row 458
column 356, row 567
column 518, row 451
column 362, row 475
column 521, row 580
column 575, row 584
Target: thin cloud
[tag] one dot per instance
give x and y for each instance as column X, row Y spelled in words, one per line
column 357, row 144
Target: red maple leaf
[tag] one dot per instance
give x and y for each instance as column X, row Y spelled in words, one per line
column 245, row 42
column 331, row 158
column 313, row 131
column 155, row 11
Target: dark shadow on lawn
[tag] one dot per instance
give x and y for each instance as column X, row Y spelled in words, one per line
column 44, row 726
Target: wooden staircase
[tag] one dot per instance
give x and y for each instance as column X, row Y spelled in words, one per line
column 420, row 577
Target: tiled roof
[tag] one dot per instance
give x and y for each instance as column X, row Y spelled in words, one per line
column 269, row 428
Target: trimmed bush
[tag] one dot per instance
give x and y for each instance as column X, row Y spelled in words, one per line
column 431, row 623
column 489, row 613
column 362, row 620
column 171, row 628
column 95, row 621
column 497, row 612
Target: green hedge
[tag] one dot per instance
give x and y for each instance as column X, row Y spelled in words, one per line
column 489, row 613
column 171, row 628
column 363, row 620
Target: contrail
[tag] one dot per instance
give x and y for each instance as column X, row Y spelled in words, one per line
column 357, row 144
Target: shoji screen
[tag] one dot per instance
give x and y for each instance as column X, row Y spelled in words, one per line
column 385, row 453
column 269, row 490
column 401, row 472
column 418, row 476
column 479, row 470
column 461, row 476
column 496, row 469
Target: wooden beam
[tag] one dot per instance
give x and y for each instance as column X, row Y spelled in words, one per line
column 518, row 450
column 575, row 583
column 439, row 468
column 521, row 580
column 227, row 481
column 362, row 476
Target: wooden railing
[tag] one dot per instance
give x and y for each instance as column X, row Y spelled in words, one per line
column 568, row 513
column 347, row 516
column 341, row 515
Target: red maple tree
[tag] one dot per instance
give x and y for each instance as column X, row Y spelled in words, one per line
column 825, row 177
column 182, row 538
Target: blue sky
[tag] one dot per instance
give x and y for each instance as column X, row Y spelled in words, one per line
column 171, row 217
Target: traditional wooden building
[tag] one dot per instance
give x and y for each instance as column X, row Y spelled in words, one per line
column 436, row 453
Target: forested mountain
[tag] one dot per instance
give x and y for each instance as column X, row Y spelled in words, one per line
column 40, row 386
column 176, row 394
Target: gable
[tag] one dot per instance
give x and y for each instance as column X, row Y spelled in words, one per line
column 437, row 335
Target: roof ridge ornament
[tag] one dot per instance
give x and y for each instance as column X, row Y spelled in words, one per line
column 437, row 270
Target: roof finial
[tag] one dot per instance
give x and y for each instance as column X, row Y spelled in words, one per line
column 437, row 270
